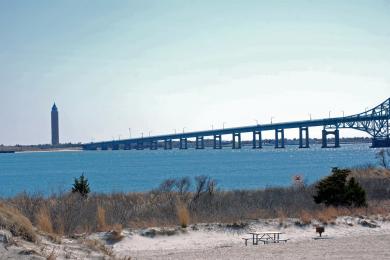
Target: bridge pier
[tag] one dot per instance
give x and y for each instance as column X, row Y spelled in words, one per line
column 104, row 148
column 199, row 142
column 254, row 141
column 324, row 139
column 238, row 144
column 281, row 131
column 301, row 130
column 183, row 143
column 168, row 144
column 127, row 146
column 153, row 145
column 140, row 145
column 325, row 134
column 376, row 143
column 217, row 144
column 336, row 138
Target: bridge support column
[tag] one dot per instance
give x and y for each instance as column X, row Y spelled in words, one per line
column 167, row 144
column 183, row 143
column 385, row 142
column 281, row 131
column 301, row 130
column 153, row 145
column 199, row 142
column 104, row 148
column 238, row 144
column 324, row 139
column 128, row 146
column 325, row 134
column 140, row 145
column 336, row 138
column 217, row 144
column 115, row 147
column 254, row 141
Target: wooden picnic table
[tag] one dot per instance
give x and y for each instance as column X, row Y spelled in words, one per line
column 266, row 237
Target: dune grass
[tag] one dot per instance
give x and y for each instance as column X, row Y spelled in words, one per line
column 11, row 219
column 43, row 221
column 183, row 215
column 175, row 203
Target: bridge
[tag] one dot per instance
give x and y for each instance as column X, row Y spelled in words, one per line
column 375, row 122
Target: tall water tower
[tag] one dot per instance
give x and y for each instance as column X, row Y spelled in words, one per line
column 55, row 139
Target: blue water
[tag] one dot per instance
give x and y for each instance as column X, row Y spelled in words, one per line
column 108, row 171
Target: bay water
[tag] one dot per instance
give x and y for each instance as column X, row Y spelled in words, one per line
column 127, row 171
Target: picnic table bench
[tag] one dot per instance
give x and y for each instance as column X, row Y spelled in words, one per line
column 265, row 237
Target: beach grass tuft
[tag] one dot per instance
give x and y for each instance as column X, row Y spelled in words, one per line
column 11, row 219
column 183, row 215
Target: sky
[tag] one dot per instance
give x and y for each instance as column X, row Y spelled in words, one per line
column 160, row 66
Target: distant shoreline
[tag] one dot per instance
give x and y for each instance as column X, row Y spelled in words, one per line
column 49, row 150
column 19, row 149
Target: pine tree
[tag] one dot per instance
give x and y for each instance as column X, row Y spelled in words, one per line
column 81, row 186
column 331, row 190
column 334, row 190
column 355, row 194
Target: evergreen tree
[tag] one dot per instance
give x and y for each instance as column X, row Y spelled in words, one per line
column 355, row 195
column 81, row 186
column 334, row 190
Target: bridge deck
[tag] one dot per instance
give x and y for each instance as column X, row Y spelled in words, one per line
column 340, row 122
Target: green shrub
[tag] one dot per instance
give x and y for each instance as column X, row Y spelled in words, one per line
column 334, row 190
column 355, row 194
column 81, row 186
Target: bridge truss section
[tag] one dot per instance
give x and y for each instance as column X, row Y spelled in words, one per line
column 375, row 121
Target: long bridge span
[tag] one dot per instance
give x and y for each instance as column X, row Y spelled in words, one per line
column 375, row 122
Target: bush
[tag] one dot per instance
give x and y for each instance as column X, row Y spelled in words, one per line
column 334, row 190
column 81, row 186
column 355, row 194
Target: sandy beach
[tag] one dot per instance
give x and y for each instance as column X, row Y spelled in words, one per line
column 353, row 247
column 346, row 238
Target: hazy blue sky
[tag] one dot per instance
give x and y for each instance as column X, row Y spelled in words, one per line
column 164, row 65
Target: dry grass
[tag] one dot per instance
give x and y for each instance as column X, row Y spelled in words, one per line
column 327, row 214
column 281, row 216
column 99, row 212
column 370, row 172
column 71, row 213
column 184, row 215
column 379, row 207
column 306, row 217
column 101, row 219
column 43, row 221
column 11, row 219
